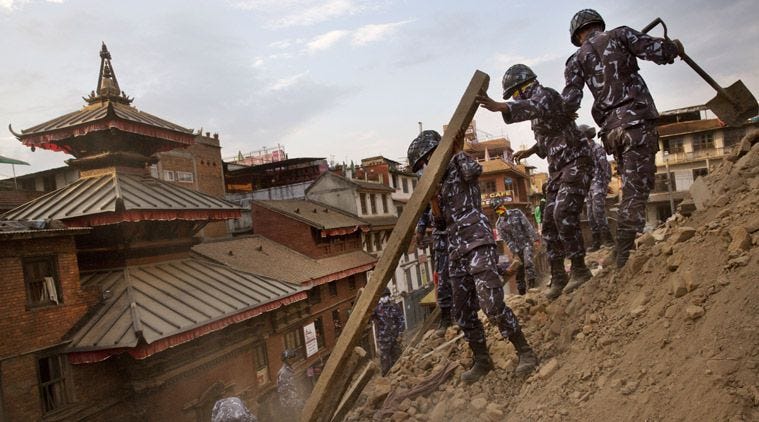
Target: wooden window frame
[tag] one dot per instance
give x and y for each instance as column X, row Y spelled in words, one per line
column 29, row 283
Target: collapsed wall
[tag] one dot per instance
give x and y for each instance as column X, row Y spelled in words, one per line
column 674, row 335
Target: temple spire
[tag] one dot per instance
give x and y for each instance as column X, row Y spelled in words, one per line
column 108, row 86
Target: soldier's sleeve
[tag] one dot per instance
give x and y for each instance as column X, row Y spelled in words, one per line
column 646, row 47
column 523, row 110
column 470, row 169
column 424, row 220
column 574, row 81
column 401, row 324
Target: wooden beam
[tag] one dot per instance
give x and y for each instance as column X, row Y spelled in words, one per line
column 324, row 398
column 358, row 386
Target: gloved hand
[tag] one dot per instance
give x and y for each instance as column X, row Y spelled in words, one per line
column 420, row 238
column 680, row 48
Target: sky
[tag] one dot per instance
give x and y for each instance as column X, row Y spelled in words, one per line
column 340, row 79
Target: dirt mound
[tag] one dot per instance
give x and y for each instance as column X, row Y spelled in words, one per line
column 672, row 336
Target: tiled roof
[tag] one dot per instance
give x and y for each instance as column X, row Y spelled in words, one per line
column 315, row 214
column 385, row 220
column 260, row 255
column 110, row 193
column 98, row 111
column 157, row 301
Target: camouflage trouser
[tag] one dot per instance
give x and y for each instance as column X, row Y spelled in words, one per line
column 389, row 353
column 637, row 168
column 596, row 206
column 565, row 193
column 476, row 284
column 527, row 269
column 444, row 293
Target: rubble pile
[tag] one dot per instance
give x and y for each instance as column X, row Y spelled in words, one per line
column 671, row 336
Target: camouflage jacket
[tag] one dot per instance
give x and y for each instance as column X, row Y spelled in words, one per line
column 602, row 171
column 556, row 133
column 439, row 233
column 460, row 203
column 606, row 62
column 288, row 393
column 515, row 230
column 388, row 321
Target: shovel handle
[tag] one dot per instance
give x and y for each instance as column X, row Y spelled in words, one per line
column 701, row 72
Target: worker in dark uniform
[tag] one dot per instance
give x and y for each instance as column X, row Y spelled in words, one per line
column 290, row 401
column 623, row 108
column 440, row 249
column 519, row 235
column 389, row 325
column 570, row 167
column 595, row 202
column 473, row 270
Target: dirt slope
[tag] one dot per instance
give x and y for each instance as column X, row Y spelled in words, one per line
column 673, row 336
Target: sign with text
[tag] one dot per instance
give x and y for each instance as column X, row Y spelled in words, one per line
column 312, row 345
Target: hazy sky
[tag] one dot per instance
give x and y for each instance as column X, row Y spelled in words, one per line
column 341, row 79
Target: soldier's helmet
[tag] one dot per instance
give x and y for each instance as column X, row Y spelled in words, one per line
column 588, row 131
column 420, row 147
column 582, row 19
column 515, row 77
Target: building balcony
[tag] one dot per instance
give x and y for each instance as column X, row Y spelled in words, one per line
column 685, row 157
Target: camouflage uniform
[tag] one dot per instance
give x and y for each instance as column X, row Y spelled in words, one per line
column 440, row 249
column 289, row 400
column 596, row 200
column 623, row 108
column 389, row 324
column 569, row 167
column 231, row 409
column 519, row 235
column 471, row 249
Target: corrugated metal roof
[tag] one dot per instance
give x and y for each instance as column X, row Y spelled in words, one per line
column 153, row 302
column 260, row 255
column 103, row 194
column 99, row 111
column 313, row 213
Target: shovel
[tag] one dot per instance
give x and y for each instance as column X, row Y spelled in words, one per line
column 734, row 104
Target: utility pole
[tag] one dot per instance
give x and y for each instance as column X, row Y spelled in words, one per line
column 669, row 183
column 420, row 127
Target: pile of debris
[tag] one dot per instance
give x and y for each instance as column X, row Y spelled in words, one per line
column 673, row 335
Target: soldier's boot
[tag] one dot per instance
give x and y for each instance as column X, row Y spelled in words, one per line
column 578, row 275
column 606, row 239
column 482, row 363
column 625, row 243
column 528, row 361
column 596, row 244
column 445, row 321
column 558, row 279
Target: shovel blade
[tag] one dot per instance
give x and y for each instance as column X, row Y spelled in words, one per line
column 736, row 107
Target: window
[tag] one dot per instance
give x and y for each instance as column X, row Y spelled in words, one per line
column 399, row 209
column 294, row 341
column 315, row 295
column 332, row 288
column 48, row 183
column 409, row 283
column 337, row 322
column 185, row 176
column 660, row 182
column 703, row 141
column 395, row 181
column 508, row 182
column 413, row 183
column 168, row 175
column 352, row 282
column 154, row 171
column 384, row 204
column 377, row 241
column 262, row 363
column 404, row 182
column 373, row 203
column 673, row 145
column 41, row 279
column 368, row 242
column 319, row 332
column 52, row 380
column 362, row 199
column 700, row 172
column 487, row 186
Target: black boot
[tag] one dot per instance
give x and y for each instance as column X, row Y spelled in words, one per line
column 528, row 361
column 482, row 363
column 579, row 274
column 606, row 239
column 596, row 245
column 625, row 243
column 445, row 322
column 558, row 279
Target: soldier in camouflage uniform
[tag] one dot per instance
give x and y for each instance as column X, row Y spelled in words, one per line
column 623, row 107
column 473, row 260
column 440, row 251
column 389, row 325
column 231, row 409
column 570, row 168
column 595, row 203
column 290, row 400
column 520, row 236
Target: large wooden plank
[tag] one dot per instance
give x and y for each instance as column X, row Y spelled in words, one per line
column 324, row 399
column 356, row 388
